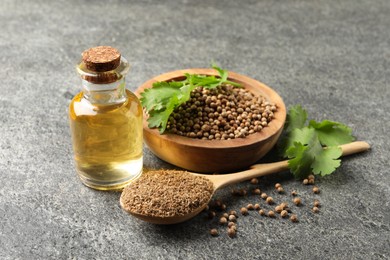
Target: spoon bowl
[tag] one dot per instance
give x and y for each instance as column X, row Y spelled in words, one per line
column 223, row 180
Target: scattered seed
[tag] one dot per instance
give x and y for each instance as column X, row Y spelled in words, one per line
column 233, row 212
column 223, row 207
column 294, row 218
column 284, row 213
column 254, row 181
column 316, row 190
column 263, row 195
column 223, row 221
column 244, row 211
column 257, row 206
column 280, row 190
column 232, row 218
column 278, row 209
column 305, row 181
column 214, row 232
column 250, row 207
column 277, row 185
column 231, row 223
column 262, row 212
column 242, row 192
column 311, row 177
column 269, row 200
column 297, row 201
column 317, row 203
column 231, row 232
column 225, row 215
column 271, row 214
column 311, row 181
column 316, row 209
column 284, row 205
column 211, row 214
column 256, row 191
column 294, row 193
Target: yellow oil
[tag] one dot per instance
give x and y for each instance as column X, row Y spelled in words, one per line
column 107, row 141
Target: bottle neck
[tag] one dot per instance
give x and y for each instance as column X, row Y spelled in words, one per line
column 105, row 94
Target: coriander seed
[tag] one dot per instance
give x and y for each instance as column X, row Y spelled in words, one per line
column 277, row 185
column 297, row 201
column 242, row 192
column 244, row 211
column 257, row 206
column 256, row 191
column 316, row 190
column 316, row 209
column 284, row 213
column 278, row 209
column 254, row 181
column 305, row 181
column 231, row 232
column 294, row 218
column 250, row 207
column 223, row 221
column 214, row 232
column 232, row 218
column 294, row 193
column 317, row 203
column 211, row 214
column 225, row 215
column 231, row 224
column 263, row 195
column 280, row 190
column 271, row 214
column 284, row 205
column 269, row 200
column 262, row 212
column 311, row 181
column 233, row 212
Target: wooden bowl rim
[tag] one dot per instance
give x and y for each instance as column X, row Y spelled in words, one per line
column 267, row 132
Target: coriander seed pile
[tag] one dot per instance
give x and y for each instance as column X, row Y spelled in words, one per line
column 166, row 193
column 223, row 113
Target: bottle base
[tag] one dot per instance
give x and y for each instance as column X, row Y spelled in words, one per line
column 111, row 177
column 108, row 186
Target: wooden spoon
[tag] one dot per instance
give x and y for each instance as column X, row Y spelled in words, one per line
column 223, row 180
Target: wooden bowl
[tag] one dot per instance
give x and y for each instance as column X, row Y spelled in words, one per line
column 210, row 156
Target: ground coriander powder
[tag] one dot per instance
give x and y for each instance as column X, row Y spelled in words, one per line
column 166, row 193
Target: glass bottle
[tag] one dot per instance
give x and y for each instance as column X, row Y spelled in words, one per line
column 106, row 122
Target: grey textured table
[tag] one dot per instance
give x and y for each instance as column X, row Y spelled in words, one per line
column 330, row 56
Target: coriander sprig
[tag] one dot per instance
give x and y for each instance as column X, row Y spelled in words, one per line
column 303, row 144
column 164, row 97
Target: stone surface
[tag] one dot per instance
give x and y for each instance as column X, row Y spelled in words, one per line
column 330, row 56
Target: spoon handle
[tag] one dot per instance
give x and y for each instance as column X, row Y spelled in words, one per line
column 258, row 170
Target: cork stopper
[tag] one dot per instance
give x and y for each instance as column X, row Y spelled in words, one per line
column 101, row 58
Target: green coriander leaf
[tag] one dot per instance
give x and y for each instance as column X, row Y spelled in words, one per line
column 222, row 73
column 304, row 155
column 156, row 98
column 332, row 133
column 302, row 136
column 159, row 119
column 296, row 118
column 326, row 162
column 164, row 97
column 300, row 164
